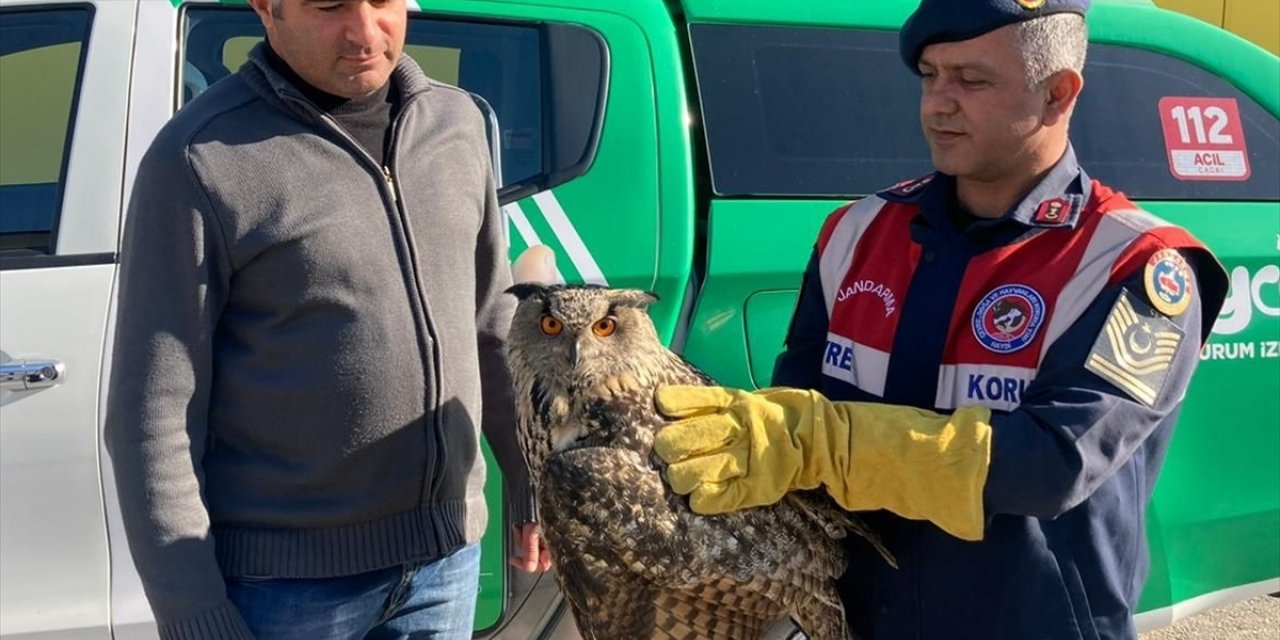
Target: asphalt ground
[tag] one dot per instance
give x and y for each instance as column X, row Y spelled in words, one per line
column 1255, row 619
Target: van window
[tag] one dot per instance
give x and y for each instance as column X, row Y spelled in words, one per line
column 533, row 76
column 41, row 60
column 806, row 111
column 1118, row 131
column 833, row 112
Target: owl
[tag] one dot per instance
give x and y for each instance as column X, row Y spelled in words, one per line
column 633, row 561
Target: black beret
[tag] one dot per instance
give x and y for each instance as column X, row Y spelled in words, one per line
column 955, row 20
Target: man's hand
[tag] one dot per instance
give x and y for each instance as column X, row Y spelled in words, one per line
column 532, row 555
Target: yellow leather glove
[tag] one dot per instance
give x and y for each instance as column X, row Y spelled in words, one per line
column 734, row 449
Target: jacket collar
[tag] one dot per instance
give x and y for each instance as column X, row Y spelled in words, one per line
column 259, row 74
column 1055, row 202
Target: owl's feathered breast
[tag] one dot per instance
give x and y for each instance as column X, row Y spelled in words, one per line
column 612, row 523
column 632, row 559
column 614, row 411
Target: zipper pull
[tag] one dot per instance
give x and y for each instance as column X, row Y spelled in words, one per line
column 391, row 183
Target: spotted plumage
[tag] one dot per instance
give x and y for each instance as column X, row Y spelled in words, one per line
column 632, row 560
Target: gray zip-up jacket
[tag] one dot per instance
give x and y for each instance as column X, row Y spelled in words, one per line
column 307, row 344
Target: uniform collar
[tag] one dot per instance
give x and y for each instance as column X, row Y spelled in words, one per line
column 1056, row 201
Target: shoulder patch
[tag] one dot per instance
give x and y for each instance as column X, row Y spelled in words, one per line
column 1059, row 211
column 907, row 190
column 1167, row 279
column 1135, row 349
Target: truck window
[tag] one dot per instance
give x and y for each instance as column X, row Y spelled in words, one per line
column 41, row 61
column 806, row 111
column 544, row 82
column 1118, row 128
column 833, row 112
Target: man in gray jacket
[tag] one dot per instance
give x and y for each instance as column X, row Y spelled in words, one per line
column 310, row 340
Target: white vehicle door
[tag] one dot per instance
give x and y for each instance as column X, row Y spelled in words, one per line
column 64, row 78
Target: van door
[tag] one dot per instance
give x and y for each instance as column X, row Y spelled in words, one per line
column 64, row 70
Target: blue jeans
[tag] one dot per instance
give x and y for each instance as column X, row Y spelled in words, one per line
column 422, row 600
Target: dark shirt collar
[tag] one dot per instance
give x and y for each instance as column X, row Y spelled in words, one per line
column 323, row 100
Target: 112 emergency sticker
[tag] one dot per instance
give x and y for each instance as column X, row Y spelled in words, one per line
column 1204, row 138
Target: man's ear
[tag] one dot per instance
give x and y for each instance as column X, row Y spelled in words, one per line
column 263, row 9
column 1062, row 89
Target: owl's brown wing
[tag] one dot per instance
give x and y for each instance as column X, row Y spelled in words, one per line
column 741, row 544
column 685, row 372
column 605, row 599
column 616, row 530
column 607, row 504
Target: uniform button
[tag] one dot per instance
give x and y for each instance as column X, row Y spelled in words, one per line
column 928, row 256
column 884, row 609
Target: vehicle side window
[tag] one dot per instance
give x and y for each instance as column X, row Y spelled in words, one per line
column 1118, row 133
column 806, row 111
column 545, row 83
column 811, row 112
column 41, row 61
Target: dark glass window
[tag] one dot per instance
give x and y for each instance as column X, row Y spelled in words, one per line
column 833, row 112
column 806, row 111
column 41, row 61
column 1119, row 137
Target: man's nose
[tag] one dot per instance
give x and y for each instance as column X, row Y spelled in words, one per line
column 938, row 99
column 362, row 25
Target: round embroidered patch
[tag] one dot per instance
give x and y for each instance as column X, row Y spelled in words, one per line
column 1008, row 318
column 1168, row 282
column 1031, row 4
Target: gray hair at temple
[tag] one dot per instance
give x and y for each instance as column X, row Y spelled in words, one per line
column 1050, row 44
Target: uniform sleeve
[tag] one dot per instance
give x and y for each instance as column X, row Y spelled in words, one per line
column 1098, row 397
column 174, row 278
column 800, row 363
column 494, row 309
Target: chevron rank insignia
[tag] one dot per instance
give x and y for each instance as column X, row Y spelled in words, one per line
column 1135, row 349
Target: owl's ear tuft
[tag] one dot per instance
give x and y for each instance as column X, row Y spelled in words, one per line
column 632, row 298
column 526, row 290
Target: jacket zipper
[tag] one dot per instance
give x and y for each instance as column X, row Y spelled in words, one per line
column 436, row 454
column 439, row 454
column 391, row 183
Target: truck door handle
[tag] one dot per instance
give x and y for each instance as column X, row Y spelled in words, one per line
column 28, row 375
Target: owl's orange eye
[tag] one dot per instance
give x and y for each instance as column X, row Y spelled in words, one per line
column 605, row 327
column 551, row 326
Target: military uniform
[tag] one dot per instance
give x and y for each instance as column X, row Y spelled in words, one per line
column 1077, row 318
